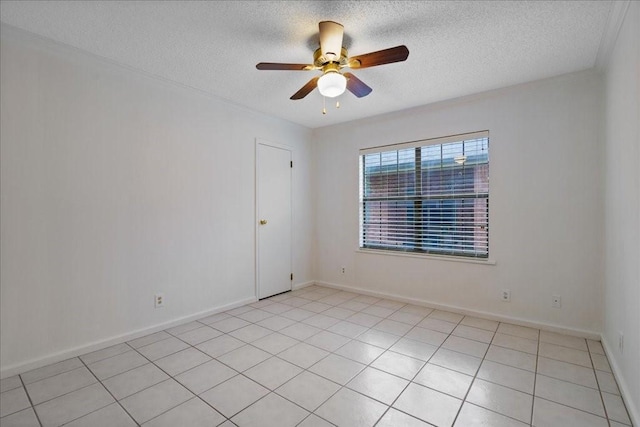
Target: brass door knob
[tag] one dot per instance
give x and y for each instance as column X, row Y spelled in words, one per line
column 263, row 222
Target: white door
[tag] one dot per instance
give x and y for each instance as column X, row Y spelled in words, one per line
column 273, row 175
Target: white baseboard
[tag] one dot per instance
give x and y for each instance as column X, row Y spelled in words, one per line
column 302, row 285
column 632, row 409
column 486, row 315
column 18, row 368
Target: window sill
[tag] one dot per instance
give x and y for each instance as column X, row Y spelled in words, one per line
column 428, row 256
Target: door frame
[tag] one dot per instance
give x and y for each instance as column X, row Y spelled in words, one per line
column 258, row 142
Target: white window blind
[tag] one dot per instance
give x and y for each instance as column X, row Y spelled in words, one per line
column 428, row 196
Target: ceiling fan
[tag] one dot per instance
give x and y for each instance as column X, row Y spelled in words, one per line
column 331, row 58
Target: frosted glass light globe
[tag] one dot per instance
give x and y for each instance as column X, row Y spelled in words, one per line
column 332, row 84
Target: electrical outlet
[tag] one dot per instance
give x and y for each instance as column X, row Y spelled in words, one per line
column 506, row 295
column 556, row 301
column 343, row 270
column 159, row 300
column 621, row 342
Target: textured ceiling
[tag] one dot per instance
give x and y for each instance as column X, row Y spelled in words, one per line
column 456, row 48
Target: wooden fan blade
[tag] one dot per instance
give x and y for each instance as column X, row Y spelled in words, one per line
column 306, row 89
column 357, row 86
column 331, row 34
column 386, row 56
column 280, row 66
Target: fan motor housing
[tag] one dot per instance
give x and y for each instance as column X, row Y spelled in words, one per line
column 320, row 60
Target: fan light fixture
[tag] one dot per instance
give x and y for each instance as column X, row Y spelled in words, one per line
column 332, row 84
column 330, row 58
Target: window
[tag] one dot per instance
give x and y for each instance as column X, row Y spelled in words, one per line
column 428, row 196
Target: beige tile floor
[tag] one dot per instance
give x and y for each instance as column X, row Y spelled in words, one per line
column 321, row 357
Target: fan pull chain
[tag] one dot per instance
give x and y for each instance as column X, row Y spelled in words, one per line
column 324, row 105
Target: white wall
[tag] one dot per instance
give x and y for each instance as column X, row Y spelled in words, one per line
column 115, row 186
column 622, row 212
column 545, row 204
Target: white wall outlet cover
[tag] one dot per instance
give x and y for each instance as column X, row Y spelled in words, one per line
column 159, row 300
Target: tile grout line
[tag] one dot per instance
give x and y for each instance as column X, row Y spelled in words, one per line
column 151, row 343
column 365, row 365
column 33, row 407
column 81, row 388
column 416, row 374
column 170, row 378
column 359, row 372
column 569, row 382
column 108, row 357
column 604, row 407
column 593, row 369
column 248, row 378
column 351, row 339
column 535, row 381
column 119, row 373
column 85, row 365
column 575, row 409
column 49, row 376
column 60, row 395
column 501, row 385
column 108, row 391
column 323, row 402
column 129, row 370
column 69, row 392
column 475, row 376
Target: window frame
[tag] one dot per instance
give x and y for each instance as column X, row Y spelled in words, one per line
column 453, row 253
